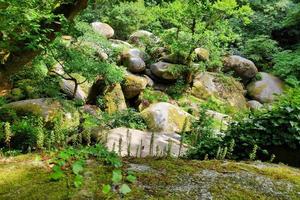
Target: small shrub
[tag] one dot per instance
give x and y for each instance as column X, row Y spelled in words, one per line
column 128, row 118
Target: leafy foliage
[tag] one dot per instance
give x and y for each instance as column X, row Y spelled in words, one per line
column 268, row 128
column 128, row 118
column 287, row 66
column 261, row 51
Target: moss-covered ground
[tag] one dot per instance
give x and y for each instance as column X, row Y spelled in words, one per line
column 27, row 177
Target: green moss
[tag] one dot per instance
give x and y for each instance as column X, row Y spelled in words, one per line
column 26, row 177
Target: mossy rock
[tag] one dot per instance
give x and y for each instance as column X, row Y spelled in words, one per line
column 133, row 85
column 27, row 177
column 49, row 109
column 166, row 117
column 227, row 89
column 114, row 99
column 266, row 88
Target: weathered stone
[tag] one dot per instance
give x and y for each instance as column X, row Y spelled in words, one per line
column 132, row 139
column 166, row 117
column 120, row 44
column 212, row 85
column 103, row 29
column 150, row 82
column 242, row 67
column 68, row 87
column 254, row 105
column 265, row 89
column 162, row 70
column 132, row 59
column 114, row 99
column 202, row 54
column 133, row 85
column 49, row 109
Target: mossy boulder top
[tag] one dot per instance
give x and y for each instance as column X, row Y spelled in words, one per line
column 227, row 89
column 266, row 88
column 166, row 117
column 162, row 70
column 49, row 109
column 114, row 99
column 103, row 29
column 132, row 59
column 133, row 85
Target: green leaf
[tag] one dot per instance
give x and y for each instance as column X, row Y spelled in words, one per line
column 106, row 189
column 117, row 176
column 125, row 189
column 77, row 167
column 78, row 181
column 57, row 173
column 64, row 155
column 131, row 178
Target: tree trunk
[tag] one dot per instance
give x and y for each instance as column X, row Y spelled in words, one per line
column 21, row 57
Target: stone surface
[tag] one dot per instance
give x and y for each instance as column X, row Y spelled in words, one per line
column 133, row 85
column 254, row 105
column 212, row 85
column 120, row 44
column 68, row 87
column 162, row 70
column 49, row 109
column 132, row 59
column 265, row 89
column 114, row 99
column 103, row 29
column 163, row 179
column 131, row 143
column 242, row 67
column 166, row 117
column 202, row 54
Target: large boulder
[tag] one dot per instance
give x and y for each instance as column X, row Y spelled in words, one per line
column 114, row 99
column 133, row 85
column 49, row 109
column 103, row 29
column 140, row 143
column 163, row 70
column 265, row 89
column 166, row 117
column 212, row 85
column 132, row 59
column 242, row 67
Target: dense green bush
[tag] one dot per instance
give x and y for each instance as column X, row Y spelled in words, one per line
column 261, row 51
column 287, row 66
column 279, row 126
column 128, row 118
